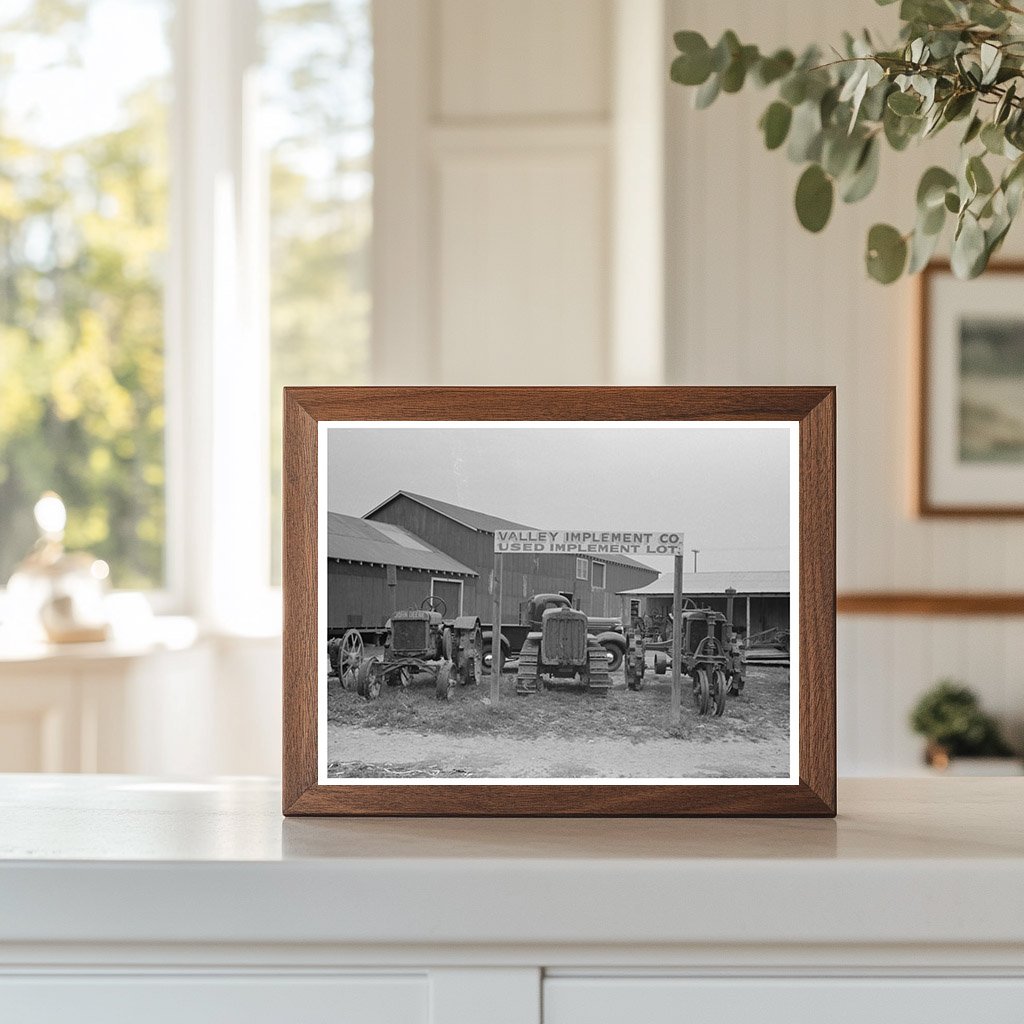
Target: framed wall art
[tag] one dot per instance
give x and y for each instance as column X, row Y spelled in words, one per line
column 559, row 601
column 970, row 444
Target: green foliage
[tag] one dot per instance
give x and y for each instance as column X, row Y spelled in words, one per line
column 949, row 716
column 82, row 234
column 956, row 60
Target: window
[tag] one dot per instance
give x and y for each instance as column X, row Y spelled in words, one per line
column 83, row 240
column 317, row 123
column 597, row 579
column 226, row 148
column 582, row 566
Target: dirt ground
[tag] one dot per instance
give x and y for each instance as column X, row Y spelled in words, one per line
column 561, row 733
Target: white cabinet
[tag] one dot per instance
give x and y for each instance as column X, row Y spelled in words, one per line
column 823, row 1000
column 126, row 899
column 202, row 999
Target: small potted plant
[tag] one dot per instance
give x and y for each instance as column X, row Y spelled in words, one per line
column 950, row 718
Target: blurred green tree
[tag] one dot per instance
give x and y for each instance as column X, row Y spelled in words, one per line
column 82, row 233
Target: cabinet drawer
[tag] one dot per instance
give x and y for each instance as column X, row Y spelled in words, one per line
column 670, row 1000
column 202, row 999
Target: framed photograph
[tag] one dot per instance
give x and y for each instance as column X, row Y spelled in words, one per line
column 559, row 601
column 970, row 451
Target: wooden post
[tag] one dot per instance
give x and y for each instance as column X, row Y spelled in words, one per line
column 675, row 712
column 496, row 631
column 748, row 616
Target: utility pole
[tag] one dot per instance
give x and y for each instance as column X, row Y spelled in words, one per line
column 696, row 552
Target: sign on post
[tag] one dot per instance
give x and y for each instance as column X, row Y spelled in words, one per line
column 593, row 542
column 587, row 542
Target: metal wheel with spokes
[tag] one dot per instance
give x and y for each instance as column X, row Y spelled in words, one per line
column 719, row 687
column 368, row 678
column 445, row 687
column 350, row 652
column 701, row 691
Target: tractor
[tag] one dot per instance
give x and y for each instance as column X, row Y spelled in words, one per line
column 563, row 649
column 420, row 641
column 710, row 656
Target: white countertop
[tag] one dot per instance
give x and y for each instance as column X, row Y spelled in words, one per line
column 121, row 859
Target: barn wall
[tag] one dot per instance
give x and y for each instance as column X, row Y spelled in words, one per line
column 472, row 549
column 357, row 595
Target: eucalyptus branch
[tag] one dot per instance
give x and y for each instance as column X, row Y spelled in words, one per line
column 955, row 61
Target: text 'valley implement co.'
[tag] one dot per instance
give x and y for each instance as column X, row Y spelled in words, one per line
column 586, row 542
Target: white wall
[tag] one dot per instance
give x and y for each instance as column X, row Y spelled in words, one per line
column 496, row 172
column 754, row 299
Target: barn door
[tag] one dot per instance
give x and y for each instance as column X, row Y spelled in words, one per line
column 450, row 591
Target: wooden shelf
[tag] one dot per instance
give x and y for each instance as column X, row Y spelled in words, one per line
column 928, row 603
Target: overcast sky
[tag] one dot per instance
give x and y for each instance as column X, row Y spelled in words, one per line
column 726, row 488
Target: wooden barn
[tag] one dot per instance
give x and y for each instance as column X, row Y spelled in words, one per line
column 375, row 568
column 468, row 537
column 761, row 601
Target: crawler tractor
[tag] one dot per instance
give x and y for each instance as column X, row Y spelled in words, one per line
column 563, row 649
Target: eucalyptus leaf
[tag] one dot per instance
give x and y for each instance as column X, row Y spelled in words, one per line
column 993, row 138
column 886, row 253
column 922, row 248
column 775, row 124
column 805, row 133
column 973, row 130
column 865, row 173
column 814, row 196
column 707, row 93
column 794, row 88
column 903, row 103
column 771, row 69
column 978, row 176
column 968, row 248
column 931, row 190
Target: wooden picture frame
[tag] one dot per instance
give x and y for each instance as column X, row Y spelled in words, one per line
column 809, row 792
column 941, row 489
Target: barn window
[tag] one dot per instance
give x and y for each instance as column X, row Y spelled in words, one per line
column 597, row 580
column 582, row 572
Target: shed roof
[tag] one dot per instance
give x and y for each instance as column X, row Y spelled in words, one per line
column 351, row 539
column 482, row 522
column 715, row 584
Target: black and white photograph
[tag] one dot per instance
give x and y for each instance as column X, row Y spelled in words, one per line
column 498, row 601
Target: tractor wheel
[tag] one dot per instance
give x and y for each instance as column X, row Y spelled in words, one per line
column 701, row 691
column 615, row 655
column 350, row 652
column 719, row 686
column 403, row 677
column 660, row 663
column 487, row 649
column 445, row 686
column 527, row 674
column 472, row 661
column 598, row 680
column 736, row 683
column 368, row 678
column 333, row 647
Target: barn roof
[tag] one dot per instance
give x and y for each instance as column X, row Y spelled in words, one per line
column 484, row 523
column 351, row 539
column 479, row 521
column 714, row 584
